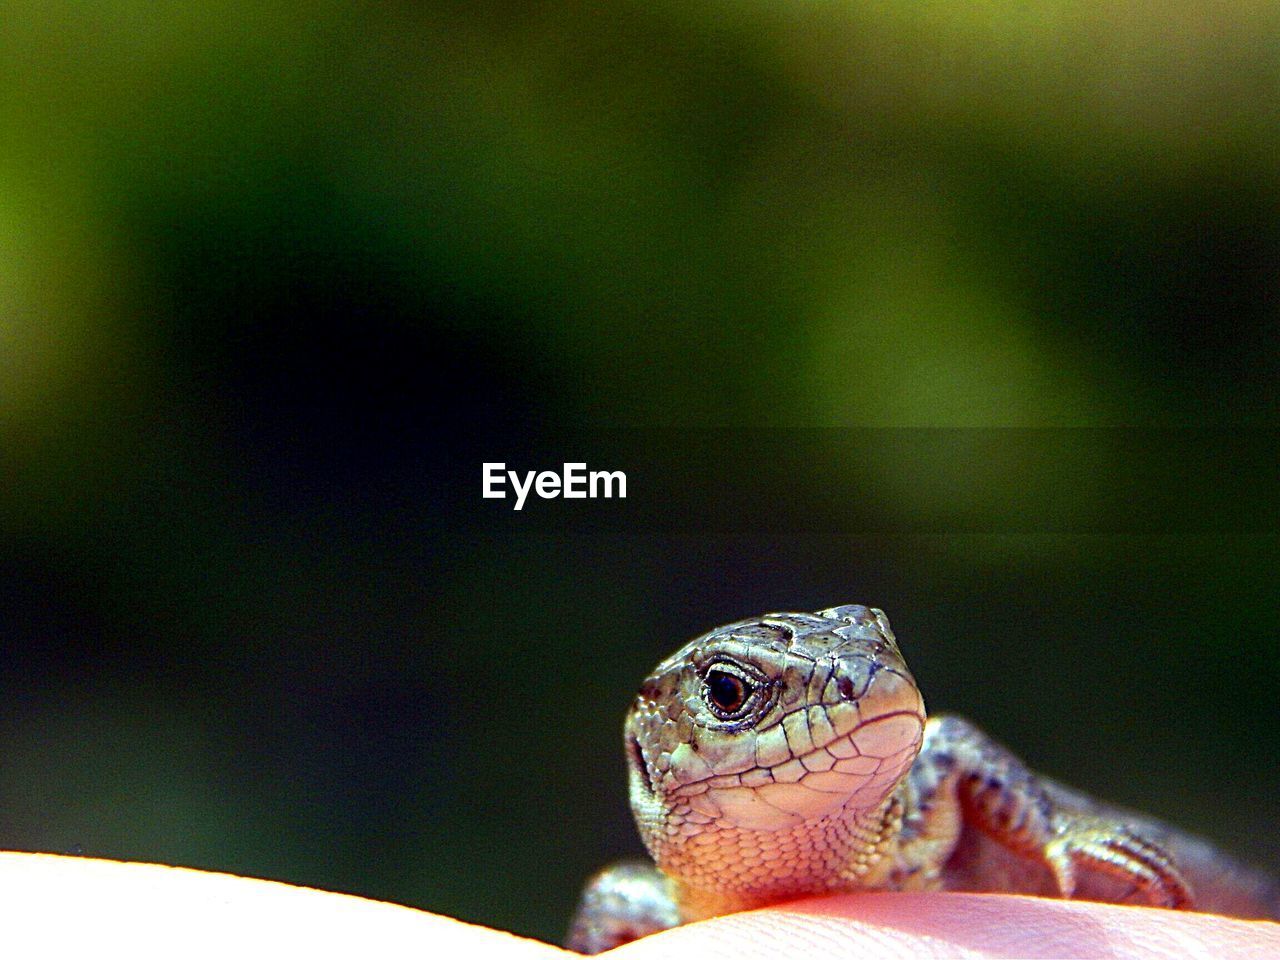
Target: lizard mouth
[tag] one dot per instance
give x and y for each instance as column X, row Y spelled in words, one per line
column 635, row 756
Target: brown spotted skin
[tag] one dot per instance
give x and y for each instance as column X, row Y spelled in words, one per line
column 789, row 754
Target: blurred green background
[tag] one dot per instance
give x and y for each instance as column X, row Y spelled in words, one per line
column 276, row 278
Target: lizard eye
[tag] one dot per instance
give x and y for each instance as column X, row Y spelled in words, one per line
column 727, row 692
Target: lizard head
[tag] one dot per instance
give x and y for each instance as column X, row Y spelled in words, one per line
column 763, row 736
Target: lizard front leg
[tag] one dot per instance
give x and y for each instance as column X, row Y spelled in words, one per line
column 621, row 903
column 964, row 778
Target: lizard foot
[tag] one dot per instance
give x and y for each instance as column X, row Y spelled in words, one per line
column 621, row 903
column 1083, row 844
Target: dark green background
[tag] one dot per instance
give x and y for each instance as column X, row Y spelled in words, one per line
column 275, row 279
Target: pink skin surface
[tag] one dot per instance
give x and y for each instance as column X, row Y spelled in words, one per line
column 907, row 926
column 69, row 906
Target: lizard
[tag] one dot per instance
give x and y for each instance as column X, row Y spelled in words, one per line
column 790, row 754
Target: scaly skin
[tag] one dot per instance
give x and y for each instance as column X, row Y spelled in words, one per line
column 790, row 755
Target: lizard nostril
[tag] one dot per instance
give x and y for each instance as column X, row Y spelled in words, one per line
column 845, row 686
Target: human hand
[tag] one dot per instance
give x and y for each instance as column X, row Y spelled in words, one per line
column 907, row 926
column 72, row 906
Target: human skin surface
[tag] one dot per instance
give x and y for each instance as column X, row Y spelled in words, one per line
column 75, row 906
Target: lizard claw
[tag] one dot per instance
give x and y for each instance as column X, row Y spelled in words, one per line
column 1082, row 844
column 1060, row 857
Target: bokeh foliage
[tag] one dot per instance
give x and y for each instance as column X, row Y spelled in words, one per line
column 276, row 278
